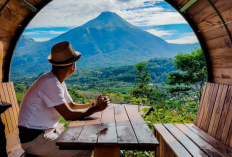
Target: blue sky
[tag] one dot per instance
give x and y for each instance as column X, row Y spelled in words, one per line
column 155, row 16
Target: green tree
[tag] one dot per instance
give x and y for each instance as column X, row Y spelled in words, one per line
column 192, row 74
column 142, row 80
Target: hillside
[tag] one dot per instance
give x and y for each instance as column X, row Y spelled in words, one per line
column 113, row 76
column 106, row 41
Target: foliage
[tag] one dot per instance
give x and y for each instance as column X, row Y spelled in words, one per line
column 192, row 74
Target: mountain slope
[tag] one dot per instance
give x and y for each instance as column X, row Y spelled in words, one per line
column 107, row 40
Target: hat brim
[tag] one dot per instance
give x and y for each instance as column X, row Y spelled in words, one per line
column 78, row 56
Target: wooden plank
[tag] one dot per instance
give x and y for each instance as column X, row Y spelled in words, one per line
column 201, row 101
column 209, row 12
column 14, row 105
column 210, row 108
column 90, row 131
column 6, row 45
column 106, row 151
column 176, row 147
column 212, row 120
column 126, row 134
column 204, row 103
column 224, row 115
column 207, row 106
column 225, row 73
column 6, row 36
column 71, row 134
column 227, row 124
column 205, row 146
column 216, row 32
column 219, row 111
column 12, row 115
column 222, row 81
column 10, row 15
column 212, row 141
column 199, row 7
column 14, row 95
column 108, row 134
column 8, row 25
column 185, row 141
column 143, row 133
column 229, row 139
column 18, row 8
column 218, row 43
column 220, row 53
column 3, row 116
column 7, row 112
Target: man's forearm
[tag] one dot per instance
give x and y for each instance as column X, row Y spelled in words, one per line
column 79, row 106
column 75, row 115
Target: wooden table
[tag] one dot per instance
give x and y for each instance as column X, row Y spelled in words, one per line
column 116, row 128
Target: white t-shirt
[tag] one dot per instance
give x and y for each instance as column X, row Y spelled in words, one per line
column 37, row 107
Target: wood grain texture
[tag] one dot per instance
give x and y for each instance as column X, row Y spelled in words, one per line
column 3, row 116
column 217, row 102
column 90, row 131
column 227, row 125
column 107, row 151
column 7, row 112
column 71, row 134
column 175, row 146
column 13, row 111
column 225, row 73
column 222, row 81
column 185, row 141
column 224, row 115
column 221, row 42
column 201, row 101
column 220, row 52
column 8, row 25
column 126, row 134
column 205, row 110
column 142, row 131
column 14, row 96
column 219, row 111
column 207, row 95
column 210, row 108
column 229, row 139
column 108, row 134
column 216, row 32
column 205, row 146
column 18, row 8
column 212, row 141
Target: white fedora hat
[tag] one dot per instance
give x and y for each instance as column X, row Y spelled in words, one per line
column 63, row 54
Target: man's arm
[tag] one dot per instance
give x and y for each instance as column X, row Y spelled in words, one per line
column 74, row 106
column 70, row 114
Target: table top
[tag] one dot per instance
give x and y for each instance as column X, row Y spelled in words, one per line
column 117, row 125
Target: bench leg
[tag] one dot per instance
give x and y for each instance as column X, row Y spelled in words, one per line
column 106, row 151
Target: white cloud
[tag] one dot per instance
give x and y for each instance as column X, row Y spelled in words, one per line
column 41, row 39
column 160, row 33
column 186, row 38
column 43, row 32
column 73, row 13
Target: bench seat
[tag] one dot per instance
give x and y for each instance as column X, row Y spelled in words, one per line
column 210, row 135
column 183, row 140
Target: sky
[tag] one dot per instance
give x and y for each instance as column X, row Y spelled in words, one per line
column 155, row 16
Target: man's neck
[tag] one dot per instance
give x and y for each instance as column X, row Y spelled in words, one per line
column 61, row 76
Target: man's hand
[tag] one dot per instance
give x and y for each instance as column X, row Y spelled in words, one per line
column 101, row 102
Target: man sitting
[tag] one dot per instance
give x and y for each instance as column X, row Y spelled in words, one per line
column 47, row 100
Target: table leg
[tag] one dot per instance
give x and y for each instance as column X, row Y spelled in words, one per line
column 106, row 151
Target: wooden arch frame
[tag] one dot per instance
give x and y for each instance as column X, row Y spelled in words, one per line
column 211, row 21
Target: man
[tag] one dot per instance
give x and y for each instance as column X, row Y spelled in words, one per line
column 47, row 100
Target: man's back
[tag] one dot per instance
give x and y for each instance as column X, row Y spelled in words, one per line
column 37, row 108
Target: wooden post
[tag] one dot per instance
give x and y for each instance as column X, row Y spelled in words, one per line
column 106, row 151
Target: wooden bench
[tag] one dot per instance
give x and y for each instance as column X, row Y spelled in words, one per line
column 10, row 119
column 211, row 135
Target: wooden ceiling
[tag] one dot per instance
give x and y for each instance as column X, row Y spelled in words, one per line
column 211, row 20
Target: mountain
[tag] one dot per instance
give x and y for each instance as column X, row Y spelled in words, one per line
column 106, row 41
column 25, row 41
